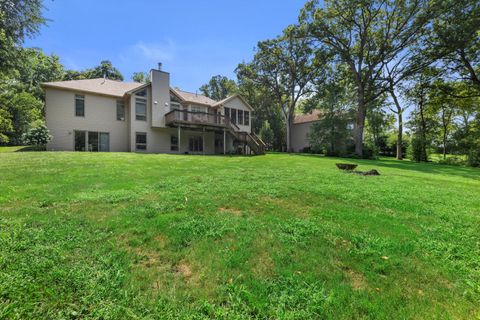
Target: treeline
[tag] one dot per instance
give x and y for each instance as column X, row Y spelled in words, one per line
column 22, row 70
column 389, row 77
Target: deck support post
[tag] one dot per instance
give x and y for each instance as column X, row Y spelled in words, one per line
column 203, row 141
column 179, row 139
column 224, row 142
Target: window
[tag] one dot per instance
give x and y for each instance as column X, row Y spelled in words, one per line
column 174, row 106
column 233, row 115
column 227, row 113
column 120, row 110
column 197, row 109
column 173, row 143
column 91, row 141
column 79, row 105
column 141, row 109
column 195, row 144
column 240, row 117
column 246, row 118
column 141, row 141
column 142, row 93
column 80, row 140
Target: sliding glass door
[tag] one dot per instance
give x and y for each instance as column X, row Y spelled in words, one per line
column 80, row 140
column 104, row 142
column 92, row 141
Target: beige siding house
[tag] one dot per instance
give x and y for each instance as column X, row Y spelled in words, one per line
column 107, row 115
column 301, row 129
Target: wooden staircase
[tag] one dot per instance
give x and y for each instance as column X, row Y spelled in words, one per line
column 256, row 145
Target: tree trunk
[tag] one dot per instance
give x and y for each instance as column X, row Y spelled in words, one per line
column 423, row 130
column 360, row 122
column 288, row 135
column 400, row 124
column 400, row 136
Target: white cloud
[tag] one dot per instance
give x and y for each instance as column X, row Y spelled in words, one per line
column 154, row 52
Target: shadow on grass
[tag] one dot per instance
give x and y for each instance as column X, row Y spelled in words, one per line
column 30, row 149
column 434, row 168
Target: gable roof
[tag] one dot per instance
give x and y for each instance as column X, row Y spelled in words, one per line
column 99, row 85
column 236, row 95
column 119, row 89
column 307, row 117
column 193, row 97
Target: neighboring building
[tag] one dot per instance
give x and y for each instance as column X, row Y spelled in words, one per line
column 301, row 129
column 107, row 115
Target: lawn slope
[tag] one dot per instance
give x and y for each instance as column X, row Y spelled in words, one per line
column 129, row 236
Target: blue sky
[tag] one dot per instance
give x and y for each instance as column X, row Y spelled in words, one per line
column 194, row 39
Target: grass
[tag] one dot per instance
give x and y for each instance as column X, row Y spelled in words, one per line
column 134, row 236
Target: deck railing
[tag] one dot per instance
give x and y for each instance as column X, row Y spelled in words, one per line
column 179, row 117
column 192, row 117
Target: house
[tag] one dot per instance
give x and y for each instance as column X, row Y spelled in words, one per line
column 107, row 115
column 301, row 128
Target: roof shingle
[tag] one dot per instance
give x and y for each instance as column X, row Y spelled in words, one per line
column 307, row 117
column 98, row 85
column 194, row 97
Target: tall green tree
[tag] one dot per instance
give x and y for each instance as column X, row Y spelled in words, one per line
column 332, row 134
column 287, row 67
column 455, row 39
column 219, row 87
column 366, row 35
column 18, row 20
column 105, row 69
column 141, row 77
column 266, row 107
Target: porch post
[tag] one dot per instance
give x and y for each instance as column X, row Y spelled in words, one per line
column 203, row 141
column 224, row 142
column 179, row 139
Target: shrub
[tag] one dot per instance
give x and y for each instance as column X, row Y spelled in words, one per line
column 473, row 158
column 37, row 136
column 417, row 149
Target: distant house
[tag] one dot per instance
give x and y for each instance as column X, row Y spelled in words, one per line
column 107, row 115
column 302, row 125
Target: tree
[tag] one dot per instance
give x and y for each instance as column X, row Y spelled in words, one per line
column 367, row 35
column 286, row 66
column 23, row 109
column 105, row 69
column 219, row 87
column 331, row 134
column 141, row 77
column 422, row 122
column 454, row 38
column 266, row 133
column 6, row 126
column 18, row 20
column 37, row 136
column 266, row 107
column 35, row 68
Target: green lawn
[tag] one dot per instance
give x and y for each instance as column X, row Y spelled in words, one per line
column 132, row 236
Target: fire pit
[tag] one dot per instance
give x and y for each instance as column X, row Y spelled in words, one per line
column 346, row 166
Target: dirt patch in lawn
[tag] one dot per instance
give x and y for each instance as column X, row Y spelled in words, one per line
column 184, row 270
column 233, row 211
column 357, row 279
